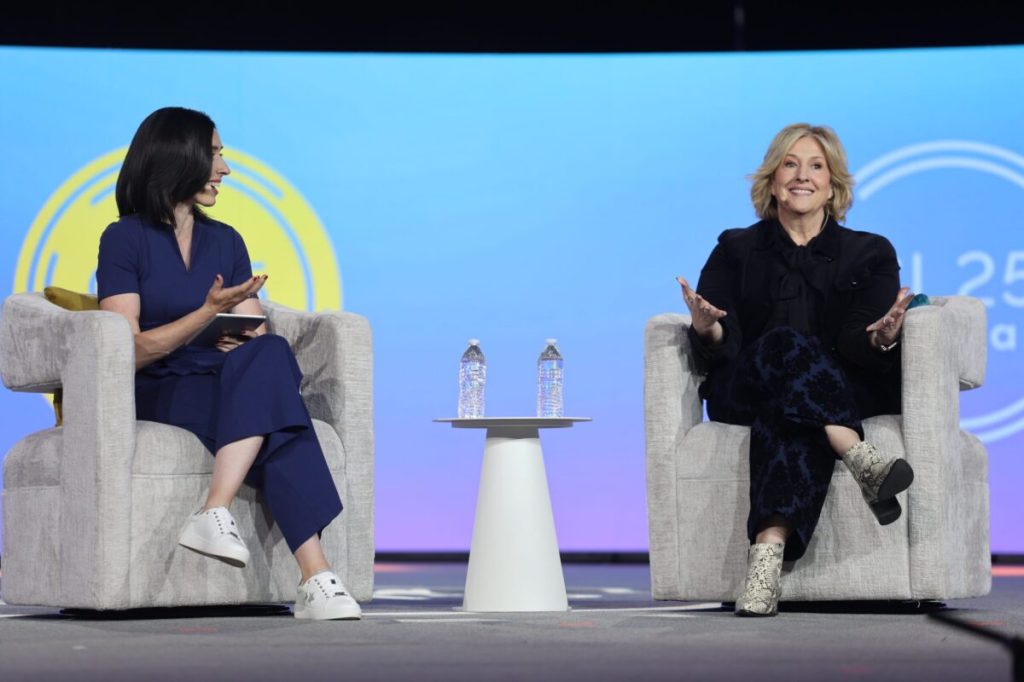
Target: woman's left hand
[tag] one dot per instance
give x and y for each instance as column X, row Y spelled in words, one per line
column 886, row 330
column 226, row 344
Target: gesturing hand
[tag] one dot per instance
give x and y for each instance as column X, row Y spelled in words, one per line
column 222, row 299
column 704, row 316
column 886, row 330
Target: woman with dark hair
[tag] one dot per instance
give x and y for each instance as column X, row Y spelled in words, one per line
column 169, row 269
column 795, row 324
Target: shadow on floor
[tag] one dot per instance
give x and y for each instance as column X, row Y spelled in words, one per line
column 172, row 612
column 879, row 607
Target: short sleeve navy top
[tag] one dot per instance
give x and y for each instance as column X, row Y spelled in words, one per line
column 140, row 257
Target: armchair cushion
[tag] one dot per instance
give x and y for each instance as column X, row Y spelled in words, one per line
column 71, row 300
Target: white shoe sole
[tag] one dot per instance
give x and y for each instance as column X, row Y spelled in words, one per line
column 232, row 555
column 339, row 612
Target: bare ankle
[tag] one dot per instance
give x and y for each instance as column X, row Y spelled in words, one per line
column 308, row 573
column 775, row 530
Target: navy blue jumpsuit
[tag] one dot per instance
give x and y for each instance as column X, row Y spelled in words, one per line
column 252, row 390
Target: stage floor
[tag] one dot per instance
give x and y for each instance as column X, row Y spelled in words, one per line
column 414, row 630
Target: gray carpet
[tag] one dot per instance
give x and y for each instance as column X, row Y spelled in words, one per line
column 414, row 630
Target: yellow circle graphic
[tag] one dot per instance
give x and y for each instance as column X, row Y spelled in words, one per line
column 282, row 232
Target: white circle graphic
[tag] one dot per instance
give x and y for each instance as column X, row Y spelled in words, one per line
column 961, row 154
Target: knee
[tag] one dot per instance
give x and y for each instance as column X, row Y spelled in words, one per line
column 270, row 343
column 272, row 339
column 270, row 347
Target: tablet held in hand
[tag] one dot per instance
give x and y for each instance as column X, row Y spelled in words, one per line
column 227, row 324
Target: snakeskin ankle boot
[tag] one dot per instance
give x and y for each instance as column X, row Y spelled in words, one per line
column 764, row 574
column 880, row 479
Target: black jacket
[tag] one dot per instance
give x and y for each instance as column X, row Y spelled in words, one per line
column 855, row 285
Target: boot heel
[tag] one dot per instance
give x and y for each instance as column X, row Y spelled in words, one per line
column 899, row 478
column 886, row 511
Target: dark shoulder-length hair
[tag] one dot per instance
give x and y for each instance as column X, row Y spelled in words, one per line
column 168, row 162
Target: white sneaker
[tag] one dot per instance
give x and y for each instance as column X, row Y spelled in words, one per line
column 214, row 533
column 323, row 597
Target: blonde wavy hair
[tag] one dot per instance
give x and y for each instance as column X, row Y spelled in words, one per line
column 835, row 156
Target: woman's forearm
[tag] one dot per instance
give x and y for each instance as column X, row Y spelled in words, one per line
column 159, row 342
column 713, row 335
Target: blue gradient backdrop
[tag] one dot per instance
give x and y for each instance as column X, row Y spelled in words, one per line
column 514, row 198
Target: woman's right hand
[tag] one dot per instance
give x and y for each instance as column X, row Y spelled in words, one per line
column 222, row 300
column 704, row 316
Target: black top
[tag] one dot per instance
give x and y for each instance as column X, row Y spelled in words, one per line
column 794, row 268
column 832, row 288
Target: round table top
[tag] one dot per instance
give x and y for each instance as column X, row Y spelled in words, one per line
column 525, row 422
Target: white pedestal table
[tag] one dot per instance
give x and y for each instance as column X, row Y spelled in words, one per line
column 513, row 560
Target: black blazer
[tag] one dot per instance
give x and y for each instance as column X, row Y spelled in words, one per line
column 856, row 285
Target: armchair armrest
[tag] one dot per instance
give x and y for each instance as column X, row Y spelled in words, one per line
column 672, row 407
column 334, row 351
column 962, row 320
column 92, row 355
column 33, row 343
column 944, row 352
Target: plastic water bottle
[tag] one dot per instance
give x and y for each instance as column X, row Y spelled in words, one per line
column 472, row 377
column 549, row 382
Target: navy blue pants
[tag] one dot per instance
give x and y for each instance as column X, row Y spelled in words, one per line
column 255, row 392
column 786, row 387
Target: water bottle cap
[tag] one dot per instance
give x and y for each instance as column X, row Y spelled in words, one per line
column 551, row 342
column 474, row 342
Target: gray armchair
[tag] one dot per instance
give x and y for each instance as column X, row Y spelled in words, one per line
column 698, row 477
column 92, row 509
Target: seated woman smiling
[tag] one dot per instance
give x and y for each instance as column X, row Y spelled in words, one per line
column 169, row 270
column 795, row 325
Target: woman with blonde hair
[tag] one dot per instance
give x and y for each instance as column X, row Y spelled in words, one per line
column 795, row 327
